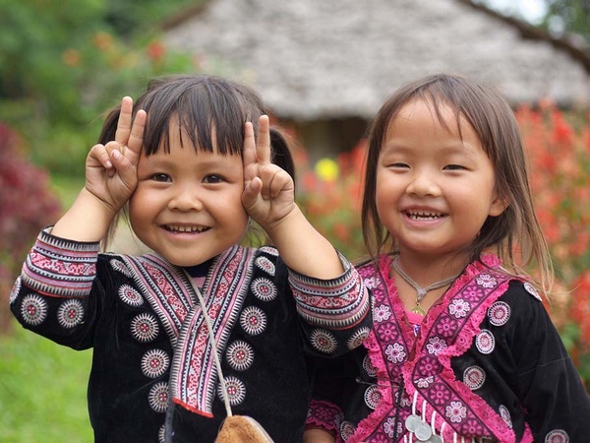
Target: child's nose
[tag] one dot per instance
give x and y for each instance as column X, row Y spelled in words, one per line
column 423, row 184
column 186, row 198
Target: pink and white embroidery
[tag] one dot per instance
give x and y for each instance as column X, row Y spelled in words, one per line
column 33, row 310
column 372, row 282
column 381, row 313
column 158, row 397
column 253, row 320
column 486, row 281
column 389, row 427
column 485, row 341
column 269, row 250
column 70, row 313
column 395, row 353
column 459, row 308
column 346, row 430
column 120, row 266
column 155, row 363
column 368, row 367
column 474, row 377
column 505, row 414
column 15, row 290
column 499, row 313
column 532, row 290
column 456, row 412
column 557, row 436
column 424, row 382
column 372, row 396
column 435, row 345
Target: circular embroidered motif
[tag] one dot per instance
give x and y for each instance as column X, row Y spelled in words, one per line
column 474, row 377
column 346, row 430
column 372, row 397
column 266, row 265
column 269, row 250
column 499, row 313
column 236, row 390
column 533, row 291
column 155, row 363
column 264, row 289
column 15, row 290
column 130, row 296
column 120, row 266
column 505, row 414
column 70, row 313
column 557, row 436
column 158, row 397
column 368, row 367
column 253, row 320
column 240, row 355
column 162, row 434
column 381, row 313
column 33, row 309
column 144, row 327
column 358, row 338
column 323, row 341
column 485, row 341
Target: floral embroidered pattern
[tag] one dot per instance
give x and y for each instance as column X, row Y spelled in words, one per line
column 346, row 430
column 533, row 291
column 264, row 289
column 15, row 289
column 459, row 308
column 499, row 313
column 253, row 320
column 119, row 266
column 33, row 309
column 372, row 396
column 144, row 328
column 155, row 363
column 395, row 352
column 70, row 313
column 368, row 367
column 456, row 412
column 505, row 414
column 435, row 345
column 158, row 397
column 381, row 313
column 486, row 281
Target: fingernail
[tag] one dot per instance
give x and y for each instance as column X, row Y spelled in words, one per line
column 116, row 154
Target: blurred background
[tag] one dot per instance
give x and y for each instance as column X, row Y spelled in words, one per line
column 323, row 69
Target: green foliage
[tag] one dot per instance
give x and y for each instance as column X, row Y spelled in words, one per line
column 42, row 391
column 568, row 16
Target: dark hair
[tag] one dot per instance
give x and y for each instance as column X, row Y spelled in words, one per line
column 203, row 105
column 517, row 229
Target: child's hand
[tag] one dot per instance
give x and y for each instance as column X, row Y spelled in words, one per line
column 269, row 191
column 111, row 169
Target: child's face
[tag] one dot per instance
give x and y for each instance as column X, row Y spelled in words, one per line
column 187, row 206
column 434, row 190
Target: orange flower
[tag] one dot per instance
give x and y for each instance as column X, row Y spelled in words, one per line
column 71, row 57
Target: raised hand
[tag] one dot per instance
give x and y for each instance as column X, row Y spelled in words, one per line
column 111, row 169
column 269, row 191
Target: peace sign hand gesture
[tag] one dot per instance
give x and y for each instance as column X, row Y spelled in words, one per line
column 269, row 191
column 111, row 169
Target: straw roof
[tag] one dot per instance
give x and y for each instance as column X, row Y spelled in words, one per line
column 330, row 59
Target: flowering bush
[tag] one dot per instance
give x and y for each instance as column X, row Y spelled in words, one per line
column 558, row 145
column 26, row 206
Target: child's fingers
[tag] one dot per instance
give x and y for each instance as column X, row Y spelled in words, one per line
column 135, row 141
column 124, row 122
column 263, row 145
column 249, row 154
column 99, row 155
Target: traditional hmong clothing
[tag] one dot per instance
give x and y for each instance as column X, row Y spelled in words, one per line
column 487, row 365
column 153, row 377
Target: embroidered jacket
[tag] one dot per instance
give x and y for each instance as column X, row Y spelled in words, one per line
column 153, row 377
column 487, row 365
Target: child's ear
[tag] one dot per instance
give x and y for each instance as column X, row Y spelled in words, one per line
column 498, row 206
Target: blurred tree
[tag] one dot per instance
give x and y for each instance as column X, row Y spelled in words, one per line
column 567, row 17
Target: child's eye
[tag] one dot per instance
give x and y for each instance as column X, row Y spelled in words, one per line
column 161, row 177
column 399, row 165
column 213, row 179
column 454, row 167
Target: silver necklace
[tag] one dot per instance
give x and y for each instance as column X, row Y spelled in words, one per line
column 420, row 291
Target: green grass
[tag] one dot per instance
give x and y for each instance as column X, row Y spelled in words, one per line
column 42, row 390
